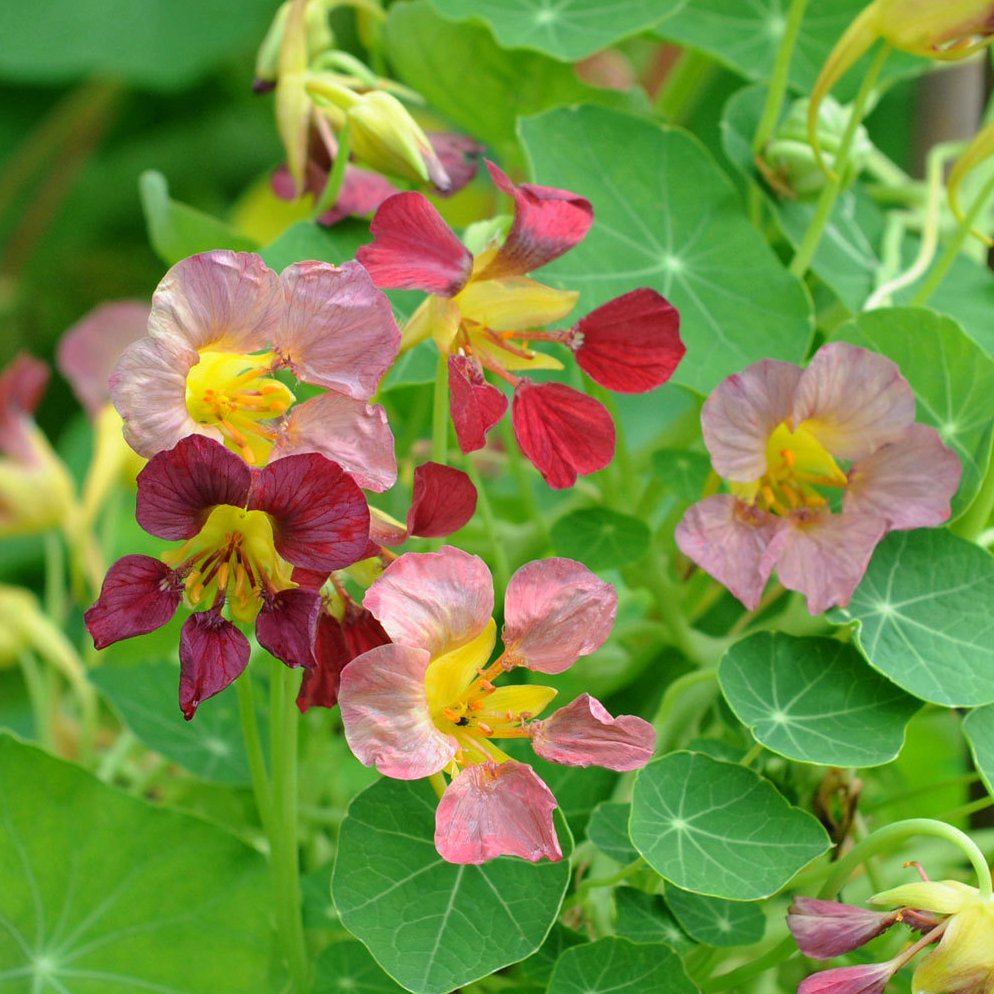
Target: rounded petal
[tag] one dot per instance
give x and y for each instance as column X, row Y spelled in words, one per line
column 386, row 717
column 563, row 432
column 852, row 400
column 741, row 413
column 212, row 653
column 349, row 432
column 496, row 810
column 178, row 489
column 584, row 734
column 443, row 500
column 220, row 300
column 908, row 482
column 338, row 330
column 475, row 405
column 437, row 601
column 555, row 611
column 287, row 626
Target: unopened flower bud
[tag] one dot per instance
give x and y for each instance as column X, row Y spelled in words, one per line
column 823, row 929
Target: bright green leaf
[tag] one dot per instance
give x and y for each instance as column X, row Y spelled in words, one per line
column 620, row 967
column 601, row 538
column 608, row 830
column 682, row 471
column 308, row 240
column 715, row 922
column 644, row 917
column 978, row 727
column 347, row 968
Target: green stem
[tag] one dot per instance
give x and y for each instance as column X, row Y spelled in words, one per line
column 55, row 578
column 615, row 878
column 253, row 749
column 627, row 479
column 333, row 185
column 974, row 520
column 502, row 569
column 735, row 978
column 752, row 755
column 523, row 481
column 440, row 412
column 685, row 85
column 779, row 77
column 34, row 681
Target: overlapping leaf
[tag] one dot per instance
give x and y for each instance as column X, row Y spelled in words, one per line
column 619, row 967
column 715, row 922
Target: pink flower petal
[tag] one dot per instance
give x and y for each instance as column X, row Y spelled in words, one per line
column 362, row 193
column 824, row 556
column 490, row 810
column 414, row 249
column 349, row 432
column 728, row 539
column 89, row 350
column 212, row 653
column 444, row 499
column 547, row 223
column 853, row 401
column 138, row 595
column 319, row 687
column 178, row 489
column 459, row 156
column 908, row 482
column 320, row 517
column 632, row 343
column 584, row 734
column 339, row 330
column 823, row 929
column 433, row 600
column 22, row 384
column 386, row 717
column 564, row 433
column 223, row 301
column 475, row 405
column 741, row 413
column 287, row 626
column 555, row 611
column 869, row 978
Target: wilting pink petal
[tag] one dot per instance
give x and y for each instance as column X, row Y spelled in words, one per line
column 475, row 405
column 632, row 343
column 823, row 929
column 853, row 401
column 433, row 600
column 869, row 978
column 179, row 488
column 741, row 413
column 459, row 156
column 555, row 611
column 320, row 517
column 547, row 223
column 287, row 626
column 221, row 300
column 414, row 249
column 22, row 384
column 584, row 734
column 823, row 556
column 563, row 432
column 138, row 595
column 386, row 715
column 89, row 350
column 339, row 330
column 490, row 810
column 349, row 432
column 443, row 500
column 908, row 482
column 319, row 687
column 728, row 539
column 212, row 653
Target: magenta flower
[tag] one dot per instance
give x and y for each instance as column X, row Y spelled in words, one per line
column 223, row 324
column 483, row 311
column 823, row 929
column 427, row 703
column 243, row 532
column 786, row 439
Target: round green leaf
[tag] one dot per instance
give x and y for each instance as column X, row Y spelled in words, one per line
column 105, row 894
column 720, row 829
column 978, row 727
column 815, row 700
column 608, row 830
column 921, row 613
column 431, row 925
column 601, row 538
column 715, row 922
column 347, row 968
column 682, row 471
column 645, row 917
column 619, row 967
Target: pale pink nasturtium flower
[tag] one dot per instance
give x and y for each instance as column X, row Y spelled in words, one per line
column 222, row 324
column 784, row 438
column 426, row 704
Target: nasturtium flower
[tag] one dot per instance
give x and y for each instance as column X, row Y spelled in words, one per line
column 820, row 463
column 483, row 310
column 428, row 704
column 243, row 531
column 222, row 325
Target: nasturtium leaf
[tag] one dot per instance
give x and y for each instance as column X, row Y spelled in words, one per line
column 715, row 922
column 431, row 925
column 953, row 380
column 347, row 968
column 538, row 967
column 567, row 29
column 608, row 830
column 923, row 613
column 978, row 727
column 645, row 917
column 720, row 829
column 676, row 226
column 105, row 894
column 683, row 472
column 309, row 240
column 601, row 538
column 815, row 700
column 414, row 367
column 619, row 966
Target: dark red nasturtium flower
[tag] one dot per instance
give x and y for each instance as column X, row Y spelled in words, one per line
column 243, row 530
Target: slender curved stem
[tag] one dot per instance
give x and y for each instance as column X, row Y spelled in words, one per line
column 779, row 77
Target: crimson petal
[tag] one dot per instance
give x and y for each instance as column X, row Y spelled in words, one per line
column 287, row 626
column 475, row 405
column 444, row 500
column 319, row 687
column 212, row 653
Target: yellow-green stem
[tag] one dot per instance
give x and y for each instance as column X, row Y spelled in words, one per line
column 779, row 76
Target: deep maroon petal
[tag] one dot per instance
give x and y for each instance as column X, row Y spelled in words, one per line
column 632, row 343
column 319, row 687
column 287, row 626
column 362, row 631
column 444, row 499
column 320, row 517
column 178, row 488
column 476, row 406
column 139, row 594
column 415, row 249
column 563, row 432
column 212, row 653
